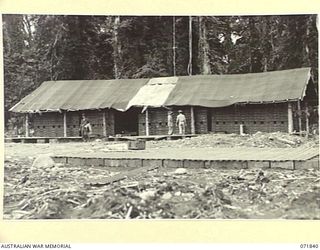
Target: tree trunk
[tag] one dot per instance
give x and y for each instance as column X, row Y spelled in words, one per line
column 308, row 56
column 267, row 43
column 174, row 45
column 204, row 60
column 251, row 44
column 190, row 47
column 27, row 24
column 116, row 48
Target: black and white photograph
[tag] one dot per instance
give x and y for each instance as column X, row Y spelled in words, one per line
column 145, row 117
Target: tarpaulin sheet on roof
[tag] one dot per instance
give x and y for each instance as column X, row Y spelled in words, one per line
column 80, row 95
column 224, row 90
column 200, row 90
column 154, row 93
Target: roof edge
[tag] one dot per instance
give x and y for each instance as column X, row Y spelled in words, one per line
column 303, row 94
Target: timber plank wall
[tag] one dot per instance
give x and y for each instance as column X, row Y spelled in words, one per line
column 158, row 120
column 258, row 117
column 254, row 117
column 50, row 124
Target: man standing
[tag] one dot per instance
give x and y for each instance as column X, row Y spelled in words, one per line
column 170, row 123
column 181, row 122
column 85, row 128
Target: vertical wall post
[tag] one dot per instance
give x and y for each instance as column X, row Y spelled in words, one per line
column 290, row 118
column 147, row 122
column 27, row 125
column 65, row 124
column 193, row 128
column 104, row 124
column 111, row 120
column 299, row 116
column 307, row 121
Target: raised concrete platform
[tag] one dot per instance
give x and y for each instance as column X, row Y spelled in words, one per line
column 110, row 138
column 149, row 137
column 291, row 158
column 42, row 139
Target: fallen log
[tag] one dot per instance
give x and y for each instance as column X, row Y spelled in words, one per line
column 121, row 176
column 286, row 141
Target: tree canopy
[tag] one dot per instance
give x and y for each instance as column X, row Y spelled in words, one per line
column 55, row 47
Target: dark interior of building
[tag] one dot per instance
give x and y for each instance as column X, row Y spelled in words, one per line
column 126, row 123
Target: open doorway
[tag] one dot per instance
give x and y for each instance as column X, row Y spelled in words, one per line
column 126, row 123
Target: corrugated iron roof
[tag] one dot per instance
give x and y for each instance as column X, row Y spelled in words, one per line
column 80, row 95
column 225, row 90
column 199, row 90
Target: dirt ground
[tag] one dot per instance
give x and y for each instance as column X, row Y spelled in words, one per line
column 61, row 191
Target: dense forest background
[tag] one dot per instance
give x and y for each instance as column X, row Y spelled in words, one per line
column 38, row 48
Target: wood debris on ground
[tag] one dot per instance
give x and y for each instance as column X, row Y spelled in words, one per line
column 61, row 193
column 47, row 191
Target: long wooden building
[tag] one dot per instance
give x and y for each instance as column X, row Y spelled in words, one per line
column 264, row 102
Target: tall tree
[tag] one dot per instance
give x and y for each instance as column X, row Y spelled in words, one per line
column 19, row 60
column 204, row 48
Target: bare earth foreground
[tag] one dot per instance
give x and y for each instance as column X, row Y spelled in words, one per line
column 62, row 191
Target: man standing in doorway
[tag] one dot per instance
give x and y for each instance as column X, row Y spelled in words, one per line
column 181, row 122
column 170, row 123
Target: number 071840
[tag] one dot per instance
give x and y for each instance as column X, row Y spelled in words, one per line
column 309, row 246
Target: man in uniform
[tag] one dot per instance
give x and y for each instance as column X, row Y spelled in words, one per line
column 181, row 122
column 170, row 123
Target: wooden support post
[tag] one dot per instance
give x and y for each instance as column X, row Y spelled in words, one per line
column 104, row 123
column 65, row 124
column 307, row 121
column 147, row 122
column 290, row 118
column 27, row 125
column 193, row 128
column 299, row 117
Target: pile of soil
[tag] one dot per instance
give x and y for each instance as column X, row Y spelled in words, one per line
column 259, row 139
